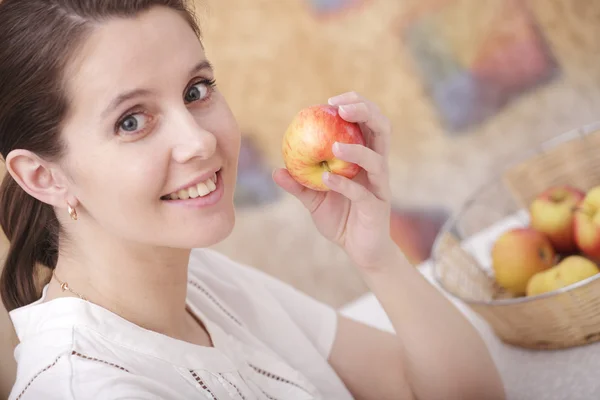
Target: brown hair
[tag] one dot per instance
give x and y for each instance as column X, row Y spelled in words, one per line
column 38, row 38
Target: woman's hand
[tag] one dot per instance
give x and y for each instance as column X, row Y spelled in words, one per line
column 355, row 214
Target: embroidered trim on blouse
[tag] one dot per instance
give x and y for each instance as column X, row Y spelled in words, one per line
column 268, row 395
column 203, row 385
column 36, row 375
column 98, row 360
column 215, row 301
column 233, row 385
column 277, row 377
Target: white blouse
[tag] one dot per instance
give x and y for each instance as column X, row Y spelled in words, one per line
column 271, row 342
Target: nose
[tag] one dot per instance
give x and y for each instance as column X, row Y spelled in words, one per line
column 190, row 139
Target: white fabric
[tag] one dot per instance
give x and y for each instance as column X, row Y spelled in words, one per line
column 270, row 342
column 569, row 374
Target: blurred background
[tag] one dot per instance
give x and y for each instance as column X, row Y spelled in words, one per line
column 469, row 85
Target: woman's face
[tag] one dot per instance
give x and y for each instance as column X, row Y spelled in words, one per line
column 152, row 146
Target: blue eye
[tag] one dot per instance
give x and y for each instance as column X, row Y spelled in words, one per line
column 134, row 124
column 130, row 124
column 199, row 91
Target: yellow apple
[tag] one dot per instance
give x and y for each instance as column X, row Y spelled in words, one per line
column 517, row 255
column 308, row 145
column 587, row 224
column 553, row 213
column 567, row 272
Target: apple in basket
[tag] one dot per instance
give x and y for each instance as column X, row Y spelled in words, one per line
column 307, row 145
column 587, row 224
column 570, row 270
column 517, row 255
column 553, row 213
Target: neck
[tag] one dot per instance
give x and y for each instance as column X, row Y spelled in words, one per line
column 145, row 285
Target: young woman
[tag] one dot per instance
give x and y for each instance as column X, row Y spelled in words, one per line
column 121, row 156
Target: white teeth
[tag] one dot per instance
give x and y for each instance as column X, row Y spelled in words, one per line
column 193, row 192
column 211, row 185
column 199, row 190
column 203, row 189
column 183, row 194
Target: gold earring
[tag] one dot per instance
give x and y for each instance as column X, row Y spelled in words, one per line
column 72, row 212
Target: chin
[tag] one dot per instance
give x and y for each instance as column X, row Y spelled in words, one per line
column 194, row 224
column 221, row 231
column 206, row 233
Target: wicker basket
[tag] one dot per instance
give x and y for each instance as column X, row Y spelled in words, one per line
column 462, row 261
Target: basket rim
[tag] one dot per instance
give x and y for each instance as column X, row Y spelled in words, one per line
column 573, row 134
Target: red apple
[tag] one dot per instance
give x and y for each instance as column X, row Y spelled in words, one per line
column 517, row 255
column 587, row 224
column 307, row 145
column 553, row 214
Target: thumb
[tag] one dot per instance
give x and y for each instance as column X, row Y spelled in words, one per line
column 310, row 198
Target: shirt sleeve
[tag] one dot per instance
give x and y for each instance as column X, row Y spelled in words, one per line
column 317, row 320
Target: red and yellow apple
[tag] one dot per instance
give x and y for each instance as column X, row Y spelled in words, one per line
column 308, row 145
column 587, row 224
column 517, row 255
column 570, row 270
column 553, row 213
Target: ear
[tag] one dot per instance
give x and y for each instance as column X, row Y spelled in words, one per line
column 37, row 177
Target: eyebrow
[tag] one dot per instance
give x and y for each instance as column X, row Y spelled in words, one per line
column 202, row 65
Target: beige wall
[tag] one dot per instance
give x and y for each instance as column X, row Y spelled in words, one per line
column 273, row 57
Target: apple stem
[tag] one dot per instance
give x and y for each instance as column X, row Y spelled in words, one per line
column 558, row 196
column 325, row 165
column 543, row 255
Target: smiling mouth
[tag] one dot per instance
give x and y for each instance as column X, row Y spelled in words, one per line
column 201, row 189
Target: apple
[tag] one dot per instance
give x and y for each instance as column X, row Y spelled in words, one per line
column 308, row 141
column 553, row 213
column 517, row 255
column 587, row 224
column 570, row 270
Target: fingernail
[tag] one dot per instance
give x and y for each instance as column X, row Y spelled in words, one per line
column 336, row 147
column 333, row 100
column 344, row 109
column 329, row 177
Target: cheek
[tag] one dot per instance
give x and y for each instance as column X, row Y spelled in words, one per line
column 114, row 178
